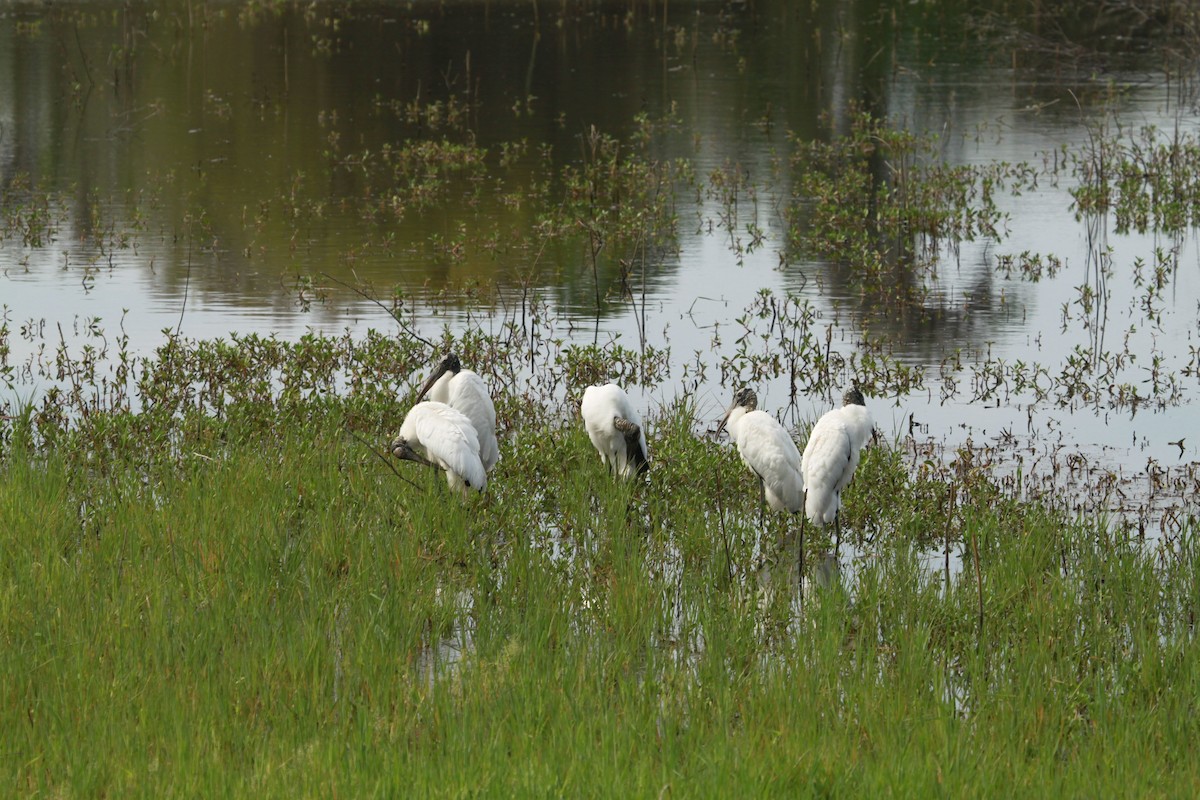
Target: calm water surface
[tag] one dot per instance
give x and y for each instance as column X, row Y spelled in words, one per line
column 197, row 166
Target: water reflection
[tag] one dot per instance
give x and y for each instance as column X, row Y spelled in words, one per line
column 239, row 132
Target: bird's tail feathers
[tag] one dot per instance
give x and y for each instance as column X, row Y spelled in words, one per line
column 637, row 457
column 820, row 504
column 633, row 443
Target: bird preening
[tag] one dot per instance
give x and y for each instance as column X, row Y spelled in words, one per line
column 464, row 391
column 615, row 428
column 437, row 435
column 454, row 430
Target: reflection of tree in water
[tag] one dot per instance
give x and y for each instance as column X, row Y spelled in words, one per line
column 878, row 214
column 886, row 275
column 236, row 149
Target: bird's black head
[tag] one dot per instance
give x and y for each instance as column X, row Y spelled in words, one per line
column 853, row 397
column 742, row 398
column 745, row 398
column 448, row 364
column 402, row 449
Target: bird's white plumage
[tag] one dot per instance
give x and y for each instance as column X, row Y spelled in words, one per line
column 830, row 458
column 465, row 391
column 601, row 405
column 767, row 449
column 446, row 437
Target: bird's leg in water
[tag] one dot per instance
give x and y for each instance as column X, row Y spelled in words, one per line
column 764, row 527
column 837, row 532
column 800, row 543
column 765, row 546
column 800, row 548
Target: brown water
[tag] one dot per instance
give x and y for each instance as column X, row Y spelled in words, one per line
column 203, row 166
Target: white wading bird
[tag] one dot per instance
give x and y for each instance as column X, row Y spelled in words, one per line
column 831, row 456
column 615, row 428
column 463, row 390
column 767, row 450
column 437, row 435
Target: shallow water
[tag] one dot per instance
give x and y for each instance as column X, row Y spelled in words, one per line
column 197, row 168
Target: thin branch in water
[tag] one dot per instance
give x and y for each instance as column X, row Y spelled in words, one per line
column 83, row 56
column 386, row 310
column 187, row 282
column 979, row 584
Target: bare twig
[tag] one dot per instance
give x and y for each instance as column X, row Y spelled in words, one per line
column 69, row 368
column 948, row 510
column 386, row 310
column 83, row 56
column 187, row 282
column 724, row 534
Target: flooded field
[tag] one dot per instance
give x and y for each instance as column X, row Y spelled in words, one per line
column 1029, row 286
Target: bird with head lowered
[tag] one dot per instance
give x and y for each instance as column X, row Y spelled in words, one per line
column 615, row 428
column 438, row 436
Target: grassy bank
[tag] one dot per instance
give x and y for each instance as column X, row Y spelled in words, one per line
column 266, row 608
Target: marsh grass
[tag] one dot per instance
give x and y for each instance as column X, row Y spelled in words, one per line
column 259, row 605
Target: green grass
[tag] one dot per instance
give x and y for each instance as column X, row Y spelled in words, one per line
column 271, row 611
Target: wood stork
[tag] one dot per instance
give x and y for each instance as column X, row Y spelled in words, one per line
column 437, row 435
column 615, row 428
column 831, row 456
column 767, row 450
column 463, row 390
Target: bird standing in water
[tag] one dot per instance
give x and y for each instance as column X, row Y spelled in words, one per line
column 767, row 449
column 830, row 458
